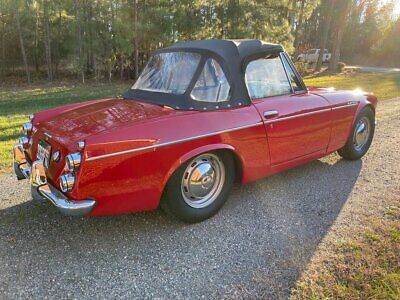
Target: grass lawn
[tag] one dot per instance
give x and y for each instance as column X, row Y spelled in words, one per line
column 384, row 86
column 365, row 265
column 17, row 103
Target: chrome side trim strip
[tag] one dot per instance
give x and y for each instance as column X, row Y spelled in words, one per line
column 218, row 132
column 298, row 115
column 350, row 104
column 173, row 142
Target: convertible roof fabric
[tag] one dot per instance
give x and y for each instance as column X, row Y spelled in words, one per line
column 232, row 55
column 230, row 50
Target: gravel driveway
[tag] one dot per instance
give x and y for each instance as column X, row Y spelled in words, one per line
column 271, row 227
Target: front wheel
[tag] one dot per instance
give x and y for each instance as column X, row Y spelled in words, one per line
column 199, row 188
column 360, row 137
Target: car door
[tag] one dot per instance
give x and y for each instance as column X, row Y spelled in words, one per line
column 297, row 123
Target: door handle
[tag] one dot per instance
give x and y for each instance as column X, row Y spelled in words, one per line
column 270, row 114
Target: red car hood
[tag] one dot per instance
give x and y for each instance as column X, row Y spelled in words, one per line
column 77, row 124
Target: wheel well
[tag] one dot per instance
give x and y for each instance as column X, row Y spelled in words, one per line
column 237, row 161
column 371, row 107
column 237, row 164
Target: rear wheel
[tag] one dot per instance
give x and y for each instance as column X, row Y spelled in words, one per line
column 198, row 189
column 360, row 137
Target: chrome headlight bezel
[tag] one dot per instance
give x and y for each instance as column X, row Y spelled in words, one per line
column 27, row 128
column 67, row 182
column 73, row 161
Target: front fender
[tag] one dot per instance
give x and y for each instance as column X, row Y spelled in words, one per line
column 366, row 100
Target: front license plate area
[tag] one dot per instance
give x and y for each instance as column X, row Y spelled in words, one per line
column 43, row 152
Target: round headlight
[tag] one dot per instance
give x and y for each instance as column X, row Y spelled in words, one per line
column 27, row 128
column 73, row 161
column 67, row 182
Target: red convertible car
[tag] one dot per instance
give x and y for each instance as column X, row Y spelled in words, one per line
column 201, row 115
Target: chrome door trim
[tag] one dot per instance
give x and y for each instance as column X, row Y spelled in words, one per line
column 173, row 142
column 349, row 104
column 298, row 115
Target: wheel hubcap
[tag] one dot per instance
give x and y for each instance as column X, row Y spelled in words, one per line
column 203, row 180
column 361, row 133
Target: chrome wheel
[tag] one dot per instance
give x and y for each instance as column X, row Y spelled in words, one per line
column 361, row 133
column 203, row 180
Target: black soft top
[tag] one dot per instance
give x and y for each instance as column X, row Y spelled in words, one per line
column 231, row 50
column 232, row 55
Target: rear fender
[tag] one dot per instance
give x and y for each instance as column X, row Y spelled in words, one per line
column 193, row 153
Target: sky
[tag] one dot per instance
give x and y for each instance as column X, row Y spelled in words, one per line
column 397, row 8
column 396, row 11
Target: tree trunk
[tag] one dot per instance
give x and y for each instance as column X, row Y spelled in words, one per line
column 109, row 70
column 3, row 48
column 327, row 15
column 122, row 67
column 90, row 56
column 3, row 55
column 298, row 28
column 337, row 40
column 81, row 71
column 37, row 37
column 21, row 43
column 135, row 39
column 47, row 43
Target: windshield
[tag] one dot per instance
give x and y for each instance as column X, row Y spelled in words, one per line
column 168, row 72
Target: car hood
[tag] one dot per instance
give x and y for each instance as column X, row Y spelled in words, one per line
column 76, row 124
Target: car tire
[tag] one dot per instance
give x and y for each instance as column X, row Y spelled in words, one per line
column 198, row 189
column 360, row 137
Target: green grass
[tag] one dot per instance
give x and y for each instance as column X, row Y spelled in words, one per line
column 364, row 266
column 384, row 86
column 17, row 104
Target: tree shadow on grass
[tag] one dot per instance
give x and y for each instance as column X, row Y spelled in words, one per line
column 259, row 243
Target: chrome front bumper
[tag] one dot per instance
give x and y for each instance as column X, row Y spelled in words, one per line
column 37, row 176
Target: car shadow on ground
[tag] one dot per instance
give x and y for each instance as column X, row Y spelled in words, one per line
column 260, row 242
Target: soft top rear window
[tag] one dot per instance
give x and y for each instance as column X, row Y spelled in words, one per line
column 169, row 72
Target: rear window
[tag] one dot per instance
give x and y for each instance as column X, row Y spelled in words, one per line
column 169, row 73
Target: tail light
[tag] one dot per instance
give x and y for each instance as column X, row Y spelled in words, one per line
column 27, row 128
column 67, row 182
column 73, row 161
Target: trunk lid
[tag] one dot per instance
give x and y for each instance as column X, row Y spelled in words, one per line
column 77, row 124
